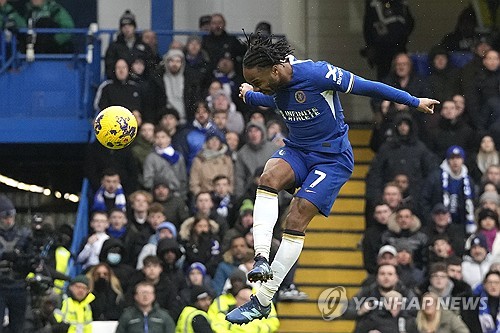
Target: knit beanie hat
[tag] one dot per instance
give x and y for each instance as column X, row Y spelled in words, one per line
column 6, row 207
column 80, row 279
column 199, row 266
column 127, row 18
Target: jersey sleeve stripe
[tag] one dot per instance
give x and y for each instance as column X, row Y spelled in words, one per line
column 351, row 84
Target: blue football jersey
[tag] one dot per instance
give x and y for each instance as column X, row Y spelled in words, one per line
column 311, row 107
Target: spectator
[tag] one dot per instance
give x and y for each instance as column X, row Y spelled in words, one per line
column 199, row 237
column 156, row 215
column 488, row 226
column 128, row 46
column 243, row 224
column 221, row 102
column 219, row 118
column 204, row 206
column 451, row 130
column 387, row 280
column 464, row 37
column 9, row 17
column 492, row 175
column 484, row 98
column 477, row 261
column 211, row 161
column 204, row 23
column 390, row 317
column 433, row 318
column 110, row 194
column 233, row 143
column 225, row 302
column 490, row 295
column 145, row 314
column 452, row 186
column 175, row 86
column 486, row 156
column 118, row 90
column 195, row 134
column 15, row 253
column 454, row 268
column 403, row 77
column 403, row 153
column 75, row 309
column 126, row 233
column 143, row 144
column 252, row 155
column 164, row 230
column 231, row 80
column 150, row 39
column 489, row 200
column 196, row 275
column 113, row 253
column 105, row 286
column 441, row 226
column 386, row 28
column 170, row 254
column 218, row 42
column 231, row 260
column 194, row 317
column 50, row 14
column 444, row 79
column 99, row 158
column 224, row 201
column 165, row 161
column 152, row 272
column 404, row 230
column 138, row 214
column 174, row 207
column 372, row 241
column 392, row 196
column 275, row 132
column 403, row 181
column 169, row 120
column 197, row 60
column 89, row 255
column 408, row 273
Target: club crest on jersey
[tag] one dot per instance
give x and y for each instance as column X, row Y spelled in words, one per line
column 300, row 96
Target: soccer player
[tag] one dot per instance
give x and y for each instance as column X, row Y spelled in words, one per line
column 317, row 156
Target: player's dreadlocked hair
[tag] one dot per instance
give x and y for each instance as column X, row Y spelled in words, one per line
column 263, row 52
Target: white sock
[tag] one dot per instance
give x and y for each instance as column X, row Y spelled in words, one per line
column 265, row 215
column 288, row 253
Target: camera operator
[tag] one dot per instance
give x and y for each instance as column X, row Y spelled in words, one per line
column 15, row 254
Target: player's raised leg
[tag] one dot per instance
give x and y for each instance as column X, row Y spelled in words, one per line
column 300, row 214
column 277, row 175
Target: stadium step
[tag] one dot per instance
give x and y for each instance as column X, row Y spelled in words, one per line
column 331, row 255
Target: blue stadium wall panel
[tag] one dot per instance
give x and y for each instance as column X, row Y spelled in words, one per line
column 42, row 102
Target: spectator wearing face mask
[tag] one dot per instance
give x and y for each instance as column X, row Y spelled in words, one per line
column 113, row 253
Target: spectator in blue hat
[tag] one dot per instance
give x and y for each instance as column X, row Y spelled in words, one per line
column 211, row 161
column 164, row 230
column 451, row 186
column 478, row 261
column 196, row 275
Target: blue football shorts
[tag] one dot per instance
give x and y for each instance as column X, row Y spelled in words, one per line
column 320, row 176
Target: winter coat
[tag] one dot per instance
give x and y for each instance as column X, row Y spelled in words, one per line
column 132, row 321
column 115, row 92
column 449, row 133
column 400, row 154
column 454, row 232
column 122, row 271
column 451, row 323
column 413, row 238
column 155, row 166
column 250, row 158
column 371, row 244
column 206, row 167
column 474, row 272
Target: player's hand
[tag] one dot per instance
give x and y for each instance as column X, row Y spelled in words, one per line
column 243, row 90
column 427, row 105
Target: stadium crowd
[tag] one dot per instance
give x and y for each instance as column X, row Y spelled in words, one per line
column 171, row 215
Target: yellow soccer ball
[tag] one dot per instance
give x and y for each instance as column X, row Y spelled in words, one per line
column 115, row 127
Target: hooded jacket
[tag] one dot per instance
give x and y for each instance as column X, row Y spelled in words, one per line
column 412, row 238
column 400, row 154
column 250, row 157
column 122, row 270
column 171, row 271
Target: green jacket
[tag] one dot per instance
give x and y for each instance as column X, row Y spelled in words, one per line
column 8, row 13
column 53, row 12
column 158, row 320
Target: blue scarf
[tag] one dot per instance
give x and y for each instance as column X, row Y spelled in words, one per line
column 100, row 204
column 169, row 154
column 116, row 233
column 222, row 209
column 488, row 323
column 470, row 225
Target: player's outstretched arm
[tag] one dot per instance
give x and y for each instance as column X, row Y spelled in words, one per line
column 251, row 97
column 427, row 105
